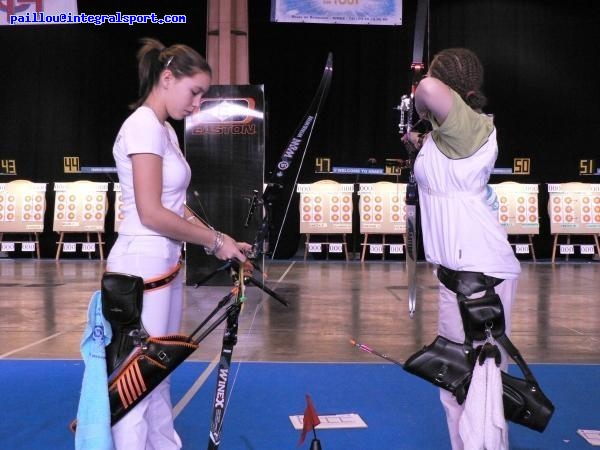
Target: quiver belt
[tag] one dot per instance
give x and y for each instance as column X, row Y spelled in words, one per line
column 122, row 299
column 145, row 369
column 449, row 364
column 122, row 296
column 479, row 315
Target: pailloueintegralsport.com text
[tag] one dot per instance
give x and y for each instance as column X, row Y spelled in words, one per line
column 96, row 19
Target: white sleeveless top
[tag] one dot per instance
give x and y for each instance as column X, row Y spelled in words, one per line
column 459, row 218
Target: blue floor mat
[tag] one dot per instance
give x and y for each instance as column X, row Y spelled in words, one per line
column 401, row 411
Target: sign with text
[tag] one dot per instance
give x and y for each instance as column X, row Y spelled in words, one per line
column 352, row 12
column 8, row 167
column 587, row 167
column 521, row 166
column 518, row 209
column 574, row 208
column 382, row 208
column 22, row 206
column 325, row 207
column 80, row 206
column 35, row 12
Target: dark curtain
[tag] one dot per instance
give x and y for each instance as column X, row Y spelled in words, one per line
column 65, row 89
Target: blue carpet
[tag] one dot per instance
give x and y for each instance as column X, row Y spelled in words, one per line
column 401, row 411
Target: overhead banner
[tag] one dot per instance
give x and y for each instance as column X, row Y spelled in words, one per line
column 36, row 12
column 353, row 12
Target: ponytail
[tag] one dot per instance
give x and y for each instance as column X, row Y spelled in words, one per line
column 153, row 58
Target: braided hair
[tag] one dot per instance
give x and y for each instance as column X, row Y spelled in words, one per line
column 153, row 57
column 462, row 70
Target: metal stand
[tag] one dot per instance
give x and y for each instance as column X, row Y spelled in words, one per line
column 315, row 444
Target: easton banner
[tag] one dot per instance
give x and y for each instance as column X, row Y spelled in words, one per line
column 225, row 147
column 355, row 12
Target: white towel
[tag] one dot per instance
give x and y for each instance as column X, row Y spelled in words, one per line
column 482, row 425
column 93, row 414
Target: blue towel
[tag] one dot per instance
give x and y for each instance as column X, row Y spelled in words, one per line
column 93, row 414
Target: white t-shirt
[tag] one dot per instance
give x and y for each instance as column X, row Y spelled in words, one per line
column 142, row 132
column 460, row 227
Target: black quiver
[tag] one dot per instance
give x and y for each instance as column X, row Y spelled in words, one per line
column 146, row 368
column 449, row 364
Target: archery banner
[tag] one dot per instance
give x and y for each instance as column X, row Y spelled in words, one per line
column 382, row 208
column 574, row 208
column 353, row 12
column 518, row 209
column 325, row 207
column 225, row 147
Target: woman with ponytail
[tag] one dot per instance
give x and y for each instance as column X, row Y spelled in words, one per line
column 461, row 230
column 154, row 176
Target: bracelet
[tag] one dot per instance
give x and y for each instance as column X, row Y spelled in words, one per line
column 217, row 244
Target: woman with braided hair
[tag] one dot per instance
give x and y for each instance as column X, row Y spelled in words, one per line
column 460, row 224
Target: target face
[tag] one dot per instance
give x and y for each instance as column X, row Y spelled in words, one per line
column 119, row 214
column 382, row 208
column 518, row 209
column 80, row 206
column 326, row 207
column 22, row 206
column 574, row 208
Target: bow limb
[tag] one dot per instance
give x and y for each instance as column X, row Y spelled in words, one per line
column 287, row 169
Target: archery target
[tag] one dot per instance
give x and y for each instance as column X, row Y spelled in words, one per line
column 518, row 207
column 382, row 208
column 80, row 206
column 574, row 208
column 325, row 207
column 119, row 214
column 22, row 206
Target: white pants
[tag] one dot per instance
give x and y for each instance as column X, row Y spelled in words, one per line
column 149, row 425
column 450, row 326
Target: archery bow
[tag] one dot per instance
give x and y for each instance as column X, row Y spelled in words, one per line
column 406, row 108
column 295, row 151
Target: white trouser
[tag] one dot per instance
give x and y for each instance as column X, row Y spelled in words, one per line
column 149, row 425
column 450, row 326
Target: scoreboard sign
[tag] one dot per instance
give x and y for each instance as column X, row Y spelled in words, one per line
column 382, row 208
column 518, row 209
column 325, row 207
column 80, row 206
column 574, row 208
column 22, row 207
